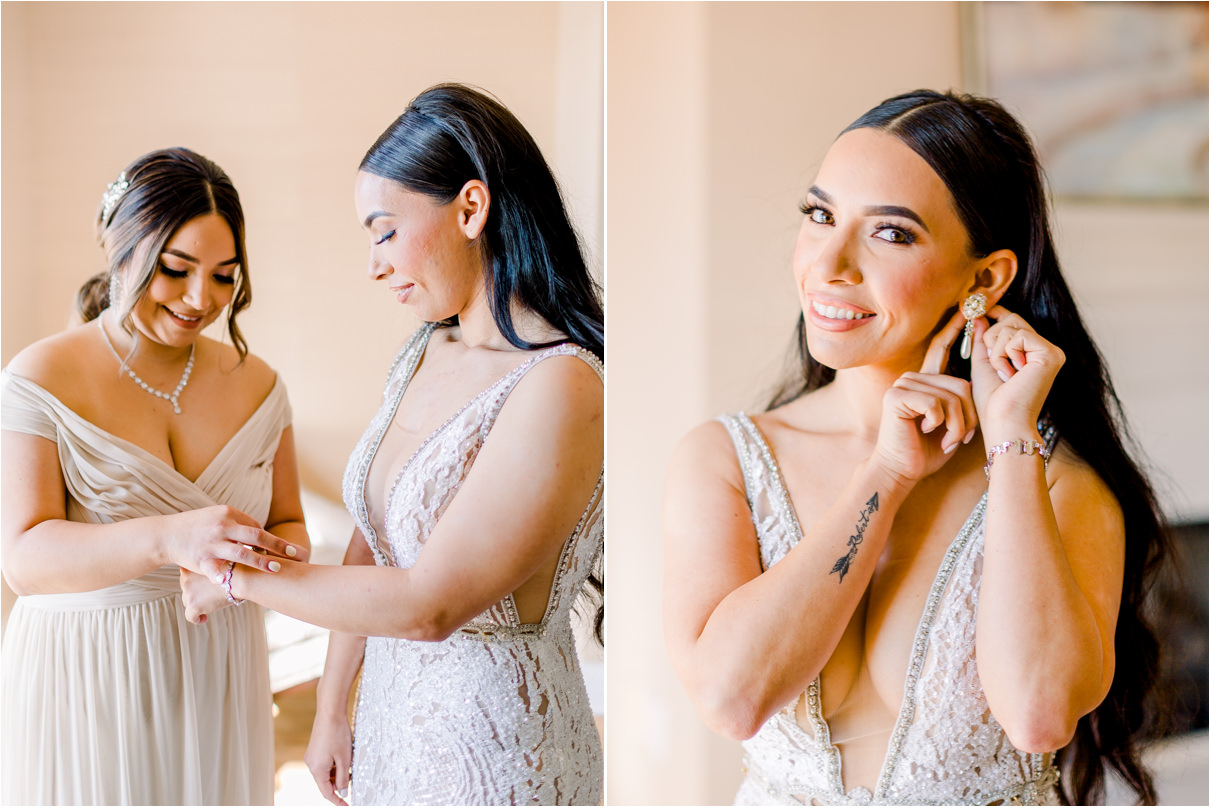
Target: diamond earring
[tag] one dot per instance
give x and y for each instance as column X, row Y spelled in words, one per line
column 115, row 290
column 973, row 307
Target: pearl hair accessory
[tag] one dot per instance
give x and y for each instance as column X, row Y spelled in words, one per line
column 974, row 306
column 175, row 395
column 113, row 192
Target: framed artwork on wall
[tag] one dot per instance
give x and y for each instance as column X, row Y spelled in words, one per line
column 1114, row 94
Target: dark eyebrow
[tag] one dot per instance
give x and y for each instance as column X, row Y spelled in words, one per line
column 374, row 215
column 876, row 210
column 896, row 210
column 187, row 257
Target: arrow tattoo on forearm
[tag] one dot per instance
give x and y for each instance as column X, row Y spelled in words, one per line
column 842, row 565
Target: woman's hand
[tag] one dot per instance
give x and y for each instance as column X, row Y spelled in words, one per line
column 204, row 540
column 926, row 415
column 1012, row 369
column 329, row 755
column 201, row 597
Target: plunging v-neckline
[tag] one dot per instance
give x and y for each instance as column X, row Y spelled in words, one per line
column 920, row 638
column 130, row 447
column 418, row 356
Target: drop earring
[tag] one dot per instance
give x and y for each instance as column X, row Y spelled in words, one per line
column 115, row 290
column 973, row 307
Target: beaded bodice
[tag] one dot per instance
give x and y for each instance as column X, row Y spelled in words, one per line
column 946, row 747
column 498, row 712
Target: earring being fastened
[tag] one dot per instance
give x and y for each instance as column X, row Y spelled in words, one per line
column 173, row 397
column 973, row 307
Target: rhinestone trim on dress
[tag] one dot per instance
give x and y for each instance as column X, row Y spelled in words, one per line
column 920, row 645
column 497, row 713
column 413, row 354
column 788, row 781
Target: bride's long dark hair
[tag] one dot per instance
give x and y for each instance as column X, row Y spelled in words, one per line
column 450, row 134
column 986, row 160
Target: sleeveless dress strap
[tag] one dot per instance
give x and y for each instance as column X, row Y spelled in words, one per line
column 774, row 517
column 405, row 362
column 505, row 385
column 747, row 454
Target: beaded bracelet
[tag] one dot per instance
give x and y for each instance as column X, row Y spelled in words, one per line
column 226, row 583
column 1026, row 447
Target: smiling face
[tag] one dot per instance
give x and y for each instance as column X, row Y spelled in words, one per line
column 420, row 248
column 194, row 279
column 881, row 255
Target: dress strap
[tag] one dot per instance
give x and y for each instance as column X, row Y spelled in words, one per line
column 747, row 454
column 406, row 358
column 505, row 386
column 774, row 516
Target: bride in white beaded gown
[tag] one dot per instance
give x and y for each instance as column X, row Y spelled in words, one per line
column 917, row 578
column 476, row 489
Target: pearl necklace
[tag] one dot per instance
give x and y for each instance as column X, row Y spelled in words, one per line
column 172, row 398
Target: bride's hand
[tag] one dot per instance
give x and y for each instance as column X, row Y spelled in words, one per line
column 201, row 597
column 926, row 415
column 1012, row 370
column 204, row 540
column 329, row 756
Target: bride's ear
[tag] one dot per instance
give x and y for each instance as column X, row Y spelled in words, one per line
column 994, row 272
column 472, row 204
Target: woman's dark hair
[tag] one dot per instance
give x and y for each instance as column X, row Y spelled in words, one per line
column 451, row 134
column 164, row 190
column 987, row 162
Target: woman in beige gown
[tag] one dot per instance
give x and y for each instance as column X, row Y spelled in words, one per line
column 114, row 481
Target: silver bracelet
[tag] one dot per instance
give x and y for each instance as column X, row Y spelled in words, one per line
column 226, row 583
column 1026, row 447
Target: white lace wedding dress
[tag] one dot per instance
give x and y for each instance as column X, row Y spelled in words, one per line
column 946, row 747
column 497, row 713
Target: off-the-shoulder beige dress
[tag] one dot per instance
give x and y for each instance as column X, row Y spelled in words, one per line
column 112, row 697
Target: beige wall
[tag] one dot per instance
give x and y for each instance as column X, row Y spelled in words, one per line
column 718, row 116
column 286, row 97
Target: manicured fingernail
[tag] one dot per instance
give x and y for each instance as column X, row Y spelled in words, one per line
column 290, row 551
column 967, row 438
column 1003, row 375
column 274, row 566
column 950, row 448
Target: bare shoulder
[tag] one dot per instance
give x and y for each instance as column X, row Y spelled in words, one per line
column 1078, row 493
column 253, row 375
column 560, row 388
column 58, row 362
column 556, row 410
column 1068, row 471
column 710, row 541
column 706, row 452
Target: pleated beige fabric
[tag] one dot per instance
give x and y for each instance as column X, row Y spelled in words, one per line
column 112, row 697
